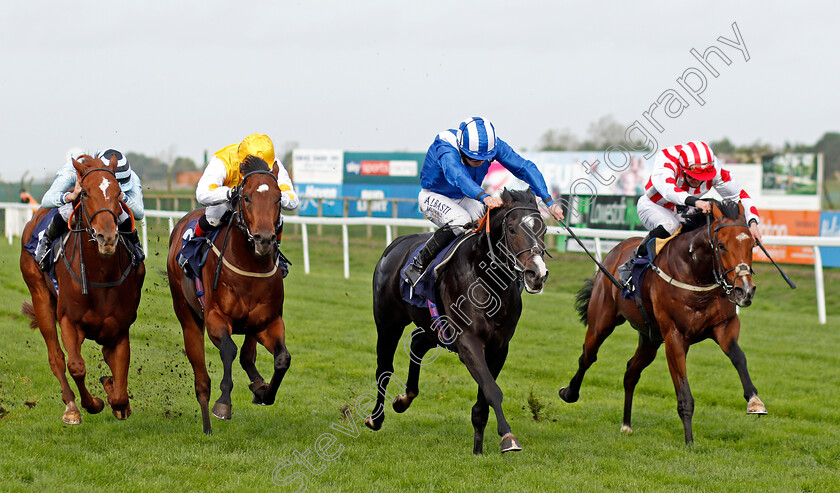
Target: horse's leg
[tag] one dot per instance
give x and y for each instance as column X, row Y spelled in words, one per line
column 645, row 354
column 76, row 365
column 194, row 346
column 727, row 338
column 222, row 409
column 274, row 339
column 247, row 359
column 44, row 308
column 471, row 352
column 420, row 345
column 676, row 348
column 481, row 409
column 116, row 387
column 388, row 339
column 601, row 325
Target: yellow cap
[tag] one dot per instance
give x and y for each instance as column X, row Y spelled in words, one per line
column 256, row 145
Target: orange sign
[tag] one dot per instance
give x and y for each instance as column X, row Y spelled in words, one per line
column 788, row 223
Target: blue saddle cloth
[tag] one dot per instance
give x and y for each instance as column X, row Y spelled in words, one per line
column 194, row 250
column 32, row 244
column 425, row 288
column 637, row 275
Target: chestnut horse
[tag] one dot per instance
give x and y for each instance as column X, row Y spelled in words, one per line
column 698, row 278
column 248, row 298
column 98, row 294
column 480, row 302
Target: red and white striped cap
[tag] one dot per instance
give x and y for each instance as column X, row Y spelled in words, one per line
column 698, row 160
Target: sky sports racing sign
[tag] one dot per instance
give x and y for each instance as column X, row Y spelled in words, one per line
column 387, row 168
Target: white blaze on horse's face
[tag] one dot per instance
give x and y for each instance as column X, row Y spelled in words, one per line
column 104, row 187
column 262, row 188
column 543, row 270
column 744, row 237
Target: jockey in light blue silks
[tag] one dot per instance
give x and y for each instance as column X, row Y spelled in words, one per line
column 66, row 188
column 456, row 164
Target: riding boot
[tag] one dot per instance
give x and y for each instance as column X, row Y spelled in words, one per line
column 641, row 251
column 203, row 226
column 57, row 227
column 434, row 245
column 133, row 241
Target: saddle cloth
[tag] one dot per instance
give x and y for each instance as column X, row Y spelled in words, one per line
column 425, row 288
column 32, row 244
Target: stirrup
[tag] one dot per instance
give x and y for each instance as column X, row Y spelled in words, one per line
column 45, row 248
column 414, row 273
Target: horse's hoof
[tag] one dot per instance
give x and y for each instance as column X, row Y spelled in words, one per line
column 626, row 429
column 564, row 394
column 373, row 425
column 509, row 443
column 72, row 418
column 122, row 413
column 258, row 389
column 755, row 406
column 222, row 411
column 402, row 402
column 97, row 407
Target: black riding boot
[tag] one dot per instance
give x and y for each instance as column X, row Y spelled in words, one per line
column 57, row 227
column 430, row 250
column 133, row 241
column 641, row 251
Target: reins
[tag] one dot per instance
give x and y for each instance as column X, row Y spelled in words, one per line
column 518, row 266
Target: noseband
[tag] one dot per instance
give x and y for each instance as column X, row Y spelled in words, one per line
column 741, row 270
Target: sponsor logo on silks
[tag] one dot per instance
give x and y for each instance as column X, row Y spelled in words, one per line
column 434, row 203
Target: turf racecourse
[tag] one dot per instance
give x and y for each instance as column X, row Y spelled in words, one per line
column 793, row 360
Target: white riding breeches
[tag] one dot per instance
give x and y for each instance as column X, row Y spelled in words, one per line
column 215, row 212
column 442, row 210
column 652, row 215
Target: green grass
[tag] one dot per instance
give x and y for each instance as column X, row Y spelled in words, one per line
column 793, row 360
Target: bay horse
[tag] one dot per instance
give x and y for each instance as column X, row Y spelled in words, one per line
column 98, row 291
column 697, row 280
column 479, row 302
column 249, row 296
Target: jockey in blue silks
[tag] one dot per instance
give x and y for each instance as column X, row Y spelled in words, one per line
column 66, row 188
column 456, row 164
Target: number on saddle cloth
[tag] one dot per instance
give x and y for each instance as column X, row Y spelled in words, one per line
column 194, row 250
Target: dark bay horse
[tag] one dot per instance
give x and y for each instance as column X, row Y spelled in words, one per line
column 479, row 306
column 249, row 296
column 98, row 294
column 704, row 274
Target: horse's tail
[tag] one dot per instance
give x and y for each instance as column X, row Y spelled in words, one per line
column 27, row 309
column 582, row 300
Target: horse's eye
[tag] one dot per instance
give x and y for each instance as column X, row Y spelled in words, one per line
column 722, row 247
column 246, row 198
column 511, row 230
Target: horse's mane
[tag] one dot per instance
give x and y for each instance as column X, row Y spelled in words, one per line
column 729, row 208
column 252, row 163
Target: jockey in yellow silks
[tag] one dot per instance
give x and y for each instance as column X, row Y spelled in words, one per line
column 222, row 174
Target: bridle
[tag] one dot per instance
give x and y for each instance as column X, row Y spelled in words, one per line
column 741, row 270
column 82, row 277
column 81, row 205
column 239, row 214
column 516, row 265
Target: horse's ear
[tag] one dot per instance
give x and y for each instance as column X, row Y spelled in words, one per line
column 717, row 213
column 79, row 168
column 741, row 211
column 112, row 164
column 275, row 170
column 506, row 196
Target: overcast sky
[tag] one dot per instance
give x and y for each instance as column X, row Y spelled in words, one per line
column 177, row 78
